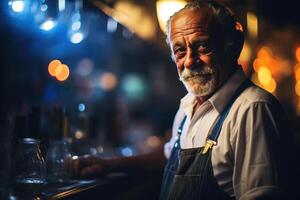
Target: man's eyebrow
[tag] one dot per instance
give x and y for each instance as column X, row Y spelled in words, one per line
column 178, row 44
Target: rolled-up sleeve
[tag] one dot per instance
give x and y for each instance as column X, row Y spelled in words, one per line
column 256, row 145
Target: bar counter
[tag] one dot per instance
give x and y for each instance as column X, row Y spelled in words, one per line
column 113, row 186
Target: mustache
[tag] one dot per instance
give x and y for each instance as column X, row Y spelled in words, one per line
column 204, row 71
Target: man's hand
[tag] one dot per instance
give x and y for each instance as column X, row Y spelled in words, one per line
column 90, row 166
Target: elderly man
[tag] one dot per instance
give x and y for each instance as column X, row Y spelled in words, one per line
column 227, row 132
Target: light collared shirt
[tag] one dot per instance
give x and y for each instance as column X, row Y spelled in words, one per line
column 241, row 160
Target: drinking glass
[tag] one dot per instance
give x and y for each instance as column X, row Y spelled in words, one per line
column 58, row 160
column 29, row 167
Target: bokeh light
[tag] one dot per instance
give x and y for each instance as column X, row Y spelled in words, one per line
column 64, row 73
column 298, row 54
column 47, row 25
column 134, row 86
column 17, row 6
column 165, row 9
column 85, row 67
column 54, row 67
column 297, row 72
column 265, row 53
column 264, row 75
column 79, row 134
column 257, row 63
column 126, row 151
column 297, row 88
column 81, row 107
column 271, row 86
column 108, row 81
column 252, row 24
column 153, row 141
column 76, row 37
column 112, row 25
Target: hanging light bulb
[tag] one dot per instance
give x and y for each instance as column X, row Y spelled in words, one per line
column 165, row 9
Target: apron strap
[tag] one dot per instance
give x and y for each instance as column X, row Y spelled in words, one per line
column 217, row 128
column 179, row 131
column 213, row 137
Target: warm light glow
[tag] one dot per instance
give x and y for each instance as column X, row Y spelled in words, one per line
column 246, row 53
column 238, row 26
column 258, row 62
column 54, row 67
column 271, row 86
column 64, row 73
column 265, row 53
column 153, row 141
column 274, row 67
column 297, row 73
column 136, row 18
column 108, row 81
column 296, row 67
column 78, row 134
column 165, row 9
column 298, row 54
column 264, row 76
column 252, row 24
column 297, row 88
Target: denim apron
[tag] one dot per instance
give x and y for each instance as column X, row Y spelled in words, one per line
column 188, row 173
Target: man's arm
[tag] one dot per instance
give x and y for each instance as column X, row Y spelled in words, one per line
column 92, row 166
column 259, row 157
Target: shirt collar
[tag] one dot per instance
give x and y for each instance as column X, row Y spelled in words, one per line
column 220, row 98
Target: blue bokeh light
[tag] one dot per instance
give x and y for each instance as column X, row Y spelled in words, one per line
column 76, row 25
column 47, row 25
column 126, row 151
column 81, row 107
column 17, row 6
column 76, row 37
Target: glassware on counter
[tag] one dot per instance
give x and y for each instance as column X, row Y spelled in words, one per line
column 58, row 160
column 29, row 169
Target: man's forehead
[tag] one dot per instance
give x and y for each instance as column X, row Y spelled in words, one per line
column 188, row 21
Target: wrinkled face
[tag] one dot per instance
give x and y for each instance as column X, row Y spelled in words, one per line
column 198, row 54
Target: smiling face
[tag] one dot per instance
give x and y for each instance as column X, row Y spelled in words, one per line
column 200, row 56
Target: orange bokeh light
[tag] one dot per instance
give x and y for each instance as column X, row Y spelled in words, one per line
column 265, row 53
column 297, row 88
column 298, row 54
column 259, row 62
column 297, row 74
column 64, row 73
column 54, row 67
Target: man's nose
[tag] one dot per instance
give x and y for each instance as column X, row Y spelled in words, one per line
column 191, row 60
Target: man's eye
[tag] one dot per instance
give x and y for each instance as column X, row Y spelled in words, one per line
column 179, row 52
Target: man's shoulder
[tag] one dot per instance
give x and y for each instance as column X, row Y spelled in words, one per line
column 255, row 94
column 254, row 99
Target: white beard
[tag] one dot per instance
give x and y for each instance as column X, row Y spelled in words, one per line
column 199, row 82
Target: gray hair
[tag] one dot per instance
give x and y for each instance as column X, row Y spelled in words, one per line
column 224, row 21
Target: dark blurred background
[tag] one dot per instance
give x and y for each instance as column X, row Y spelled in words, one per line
column 119, row 90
